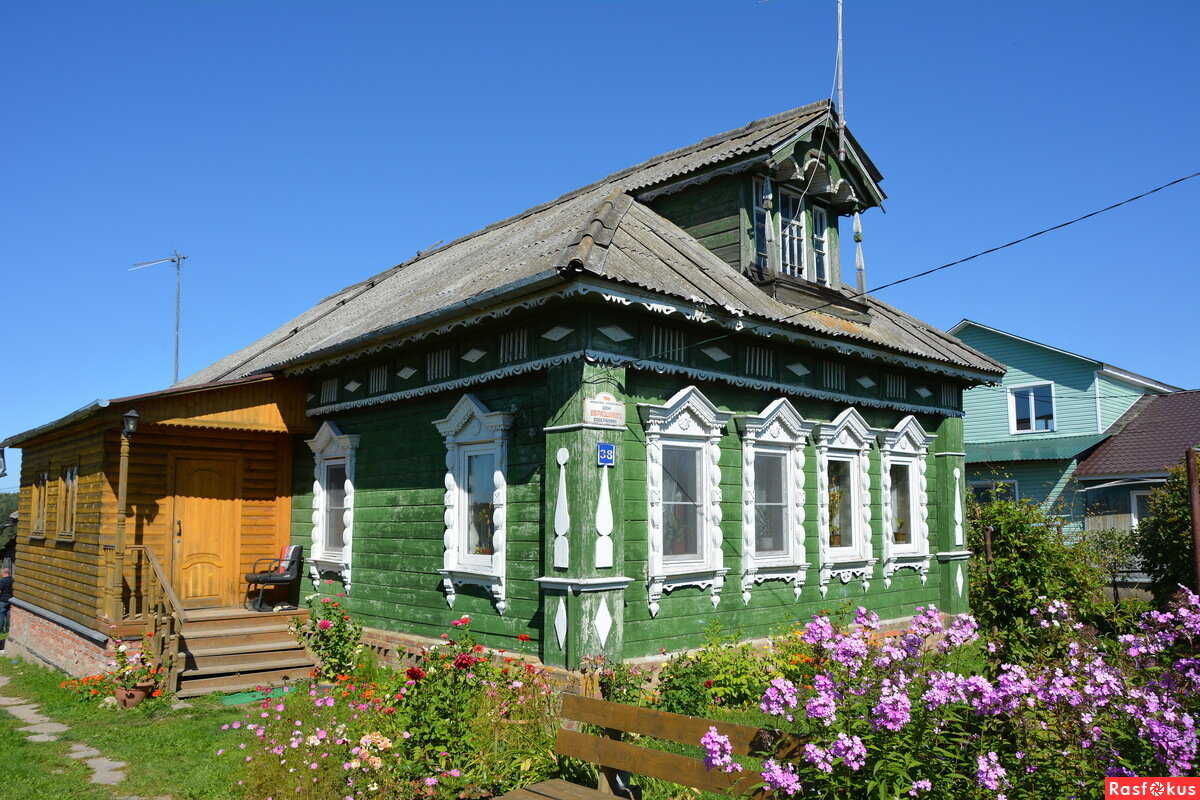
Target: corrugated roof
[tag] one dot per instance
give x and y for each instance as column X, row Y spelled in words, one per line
column 599, row 230
column 1033, row 448
column 1153, row 436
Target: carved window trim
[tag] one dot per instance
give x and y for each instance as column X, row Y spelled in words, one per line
column 472, row 429
column 688, row 419
column 906, row 446
column 332, row 449
column 779, row 429
column 848, row 438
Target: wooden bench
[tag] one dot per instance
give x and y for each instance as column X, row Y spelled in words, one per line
column 618, row 758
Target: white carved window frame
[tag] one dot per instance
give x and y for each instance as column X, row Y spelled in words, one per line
column 779, row 429
column 331, row 447
column 688, row 419
column 472, row 429
column 847, row 438
column 906, row 445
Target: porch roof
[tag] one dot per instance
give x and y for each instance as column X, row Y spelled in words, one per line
column 260, row 403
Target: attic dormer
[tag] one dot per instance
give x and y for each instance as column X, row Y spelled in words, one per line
column 775, row 215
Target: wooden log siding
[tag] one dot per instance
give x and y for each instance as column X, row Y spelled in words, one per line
column 60, row 574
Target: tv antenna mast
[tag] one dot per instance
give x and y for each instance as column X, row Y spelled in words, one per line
column 177, row 259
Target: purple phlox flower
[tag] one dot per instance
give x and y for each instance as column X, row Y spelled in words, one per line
column 849, row 649
column 989, row 774
column 718, row 752
column 926, row 622
column 818, row 631
column 962, row 630
column 851, row 750
column 893, row 710
column 779, row 696
column 918, row 787
column 823, row 704
column 866, row 619
column 780, row 777
column 819, row 757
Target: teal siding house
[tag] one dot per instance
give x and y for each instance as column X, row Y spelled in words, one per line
column 1026, row 436
column 654, row 401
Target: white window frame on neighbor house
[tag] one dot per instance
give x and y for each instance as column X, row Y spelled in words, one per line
column 333, row 452
column 822, row 259
column 903, row 450
column 1134, row 519
column 688, row 422
column 793, row 236
column 846, row 440
column 1015, row 400
column 40, row 503
column 779, row 432
column 471, row 430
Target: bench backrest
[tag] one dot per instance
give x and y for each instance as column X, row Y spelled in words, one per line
column 614, row 755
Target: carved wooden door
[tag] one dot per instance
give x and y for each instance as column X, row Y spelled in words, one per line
column 204, row 531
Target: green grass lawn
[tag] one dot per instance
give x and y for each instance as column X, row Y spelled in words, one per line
column 168, row 752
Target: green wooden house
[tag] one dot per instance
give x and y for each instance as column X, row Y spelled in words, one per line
column 650, row 403
column 1026, row 437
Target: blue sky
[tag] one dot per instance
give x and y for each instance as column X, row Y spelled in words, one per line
column 292, row 148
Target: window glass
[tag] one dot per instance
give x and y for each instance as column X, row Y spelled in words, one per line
column 769, row 503
column 791, row 224
column 335, row 506
column 762, row 221
column 841, row 505
column 481, row 495
column 681, row 506
column 820, row 239
column 1140, row 505
column 901, row 476
column 1033, row 408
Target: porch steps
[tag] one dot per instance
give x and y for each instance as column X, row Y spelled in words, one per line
column 233, row 650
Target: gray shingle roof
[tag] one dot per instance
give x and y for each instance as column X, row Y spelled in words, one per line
column 599, row 230
column 1152, row 436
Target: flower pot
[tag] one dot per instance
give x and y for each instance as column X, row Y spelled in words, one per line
column 130, row 696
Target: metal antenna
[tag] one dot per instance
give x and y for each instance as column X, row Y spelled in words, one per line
column 177, row 259
column 841, row 100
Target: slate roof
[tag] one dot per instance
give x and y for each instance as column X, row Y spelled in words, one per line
column 1031, row 448
column 1153, row 435
column 599, row 231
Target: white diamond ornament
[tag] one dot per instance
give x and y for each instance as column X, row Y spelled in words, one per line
column 603, row 622
column 560, row 624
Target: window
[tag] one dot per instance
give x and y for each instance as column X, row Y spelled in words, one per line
column 902, row 454
column 38, row 523
column 476, row 499
column 1139, row 506
column 793, row 241
column 803, row 247
column 1031, row 408
column 987, row 491
column 773, row 496
column 67, row 501
column 333, row 502
column 764, row 228
column 820, row 246
column 843, row 499
column 683, row 494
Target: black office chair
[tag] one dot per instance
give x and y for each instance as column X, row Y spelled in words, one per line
column 279, row 572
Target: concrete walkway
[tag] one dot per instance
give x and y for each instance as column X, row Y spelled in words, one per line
column 40, row 728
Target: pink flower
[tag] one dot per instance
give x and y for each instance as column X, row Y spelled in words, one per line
column 324, row 624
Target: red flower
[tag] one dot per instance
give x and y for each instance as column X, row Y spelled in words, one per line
column 523, row 637
column 414, row 673
column 464, row 661
column 708, row 684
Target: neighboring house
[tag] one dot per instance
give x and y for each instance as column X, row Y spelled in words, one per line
column 1152, row 436
column 651, row 403
column 1026, row 436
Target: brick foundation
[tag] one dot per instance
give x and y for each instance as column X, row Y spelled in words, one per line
column 39, row 640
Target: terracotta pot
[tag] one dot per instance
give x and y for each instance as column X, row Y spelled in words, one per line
column 128, row 697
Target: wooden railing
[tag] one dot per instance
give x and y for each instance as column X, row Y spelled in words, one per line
column 143, row 594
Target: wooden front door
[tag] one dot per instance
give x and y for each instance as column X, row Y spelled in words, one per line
column 204, row 534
